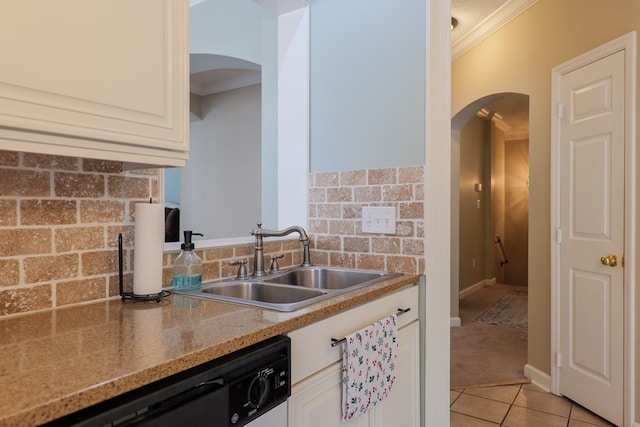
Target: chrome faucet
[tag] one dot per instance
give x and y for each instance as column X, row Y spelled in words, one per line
column 258, row 259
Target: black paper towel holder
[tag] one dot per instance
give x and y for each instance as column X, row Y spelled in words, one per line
column 130, row 295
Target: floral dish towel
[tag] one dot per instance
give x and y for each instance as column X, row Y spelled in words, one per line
column 368, row 366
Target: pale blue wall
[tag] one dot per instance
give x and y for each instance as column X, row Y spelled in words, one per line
column 244, row 29
column 227, row 27
column 367, row 84
column 172, row 185
column 270, row 122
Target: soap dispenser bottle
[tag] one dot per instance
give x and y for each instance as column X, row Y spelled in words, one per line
column 187, row 269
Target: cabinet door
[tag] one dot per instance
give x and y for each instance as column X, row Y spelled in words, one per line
column 106, row 79
column 316, row 401
column 402, row 406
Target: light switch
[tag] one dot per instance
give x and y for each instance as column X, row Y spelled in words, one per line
column 379, row 219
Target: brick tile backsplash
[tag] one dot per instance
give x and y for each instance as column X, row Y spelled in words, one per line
column 9, row 272
column 8, row 212
column 22, row 300
column 59, row 222
column 9, row 158
column 101, row 166
column 24, row 183
column 76, row 291
column 336, row 200
column 46, row 161
column 78, row 185
column 24, row 241
column 78, row 238
column 60, row 218
column 128, row 187
column 51, row 267
column 48, row 212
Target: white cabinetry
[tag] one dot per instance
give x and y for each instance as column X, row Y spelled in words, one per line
column 316, row 395
column 107, row 79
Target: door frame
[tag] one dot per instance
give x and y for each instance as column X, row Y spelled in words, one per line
column 625, row 43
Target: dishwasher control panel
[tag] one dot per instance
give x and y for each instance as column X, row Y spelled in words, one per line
column 259, row 390
column 231, row 391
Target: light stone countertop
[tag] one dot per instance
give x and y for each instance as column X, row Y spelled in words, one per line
column 58, row 361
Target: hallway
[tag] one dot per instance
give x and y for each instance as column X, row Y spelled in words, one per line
column 482, row 353
column 488, row 387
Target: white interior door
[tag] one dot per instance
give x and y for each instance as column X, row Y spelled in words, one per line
column 592, row 174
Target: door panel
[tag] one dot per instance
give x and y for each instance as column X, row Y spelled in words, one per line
column 590, row 188
column 590, row 342
column 592, row 219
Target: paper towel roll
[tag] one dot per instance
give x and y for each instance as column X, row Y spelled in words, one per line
column 148, row 248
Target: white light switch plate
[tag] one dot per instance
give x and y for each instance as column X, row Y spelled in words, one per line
column 379, row 219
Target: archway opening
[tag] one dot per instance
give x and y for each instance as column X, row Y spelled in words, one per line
column 489, row 235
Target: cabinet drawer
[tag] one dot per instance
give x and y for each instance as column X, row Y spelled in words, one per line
column 311, row 348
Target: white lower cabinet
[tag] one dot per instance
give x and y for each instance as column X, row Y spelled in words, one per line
column 402, row 406
column 316, row 394
column 315, row 402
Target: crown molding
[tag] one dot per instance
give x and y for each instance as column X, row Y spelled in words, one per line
column 494, row 117
column 517, row 134
column 489, row 25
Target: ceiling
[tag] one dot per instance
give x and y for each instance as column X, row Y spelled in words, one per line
column 477, row 19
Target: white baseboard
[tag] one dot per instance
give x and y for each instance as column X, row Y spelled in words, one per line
column 476, row 287
column 538, row 377
column 455, row 322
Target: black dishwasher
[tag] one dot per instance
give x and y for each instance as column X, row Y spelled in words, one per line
column 229, row 391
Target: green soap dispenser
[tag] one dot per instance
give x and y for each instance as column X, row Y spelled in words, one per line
column 187, row 269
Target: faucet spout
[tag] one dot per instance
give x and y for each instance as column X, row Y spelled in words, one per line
column 260, row 233
column 280, row 233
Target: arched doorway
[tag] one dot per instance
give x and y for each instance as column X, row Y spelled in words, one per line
column 489, row 235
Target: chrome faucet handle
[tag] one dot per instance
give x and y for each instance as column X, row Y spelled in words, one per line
column 257, row 231
column 274, row 263
column 242, row 270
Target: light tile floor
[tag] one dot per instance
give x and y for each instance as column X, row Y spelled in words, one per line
column 517, row 406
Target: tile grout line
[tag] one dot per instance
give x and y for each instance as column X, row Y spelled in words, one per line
column 511, row 405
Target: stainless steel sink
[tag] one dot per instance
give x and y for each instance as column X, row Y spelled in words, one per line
column 291, row 289
column 285, row 298
column 327, row 277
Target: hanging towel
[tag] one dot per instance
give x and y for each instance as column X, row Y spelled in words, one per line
column 368, row 366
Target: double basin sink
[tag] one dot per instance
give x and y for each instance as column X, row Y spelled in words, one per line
column 291, row 289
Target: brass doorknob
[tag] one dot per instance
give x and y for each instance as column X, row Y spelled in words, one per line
column 610, row 260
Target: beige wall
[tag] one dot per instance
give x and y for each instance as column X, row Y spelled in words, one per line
column 497, row 192
column 519, row 58
column 502, row 167
column 516, row 221
column 473, row 233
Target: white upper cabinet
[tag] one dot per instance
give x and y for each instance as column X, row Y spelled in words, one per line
column 99, row 79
